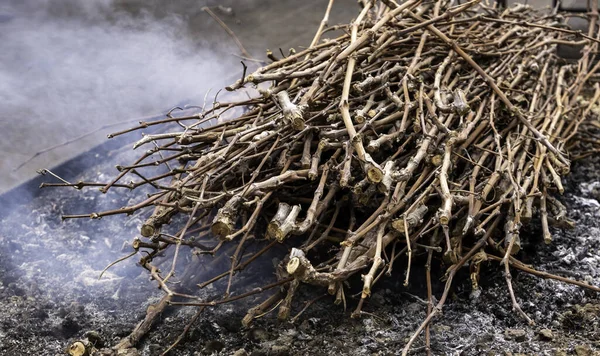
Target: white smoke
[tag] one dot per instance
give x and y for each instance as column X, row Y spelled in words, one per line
column 68, row 67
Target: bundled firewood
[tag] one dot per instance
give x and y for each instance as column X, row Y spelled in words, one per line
column 421, row 128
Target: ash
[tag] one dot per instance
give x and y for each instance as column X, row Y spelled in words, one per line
column 50, row 293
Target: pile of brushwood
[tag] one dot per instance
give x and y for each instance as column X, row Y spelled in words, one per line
column 421, row 128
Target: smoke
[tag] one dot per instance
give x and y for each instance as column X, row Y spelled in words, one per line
column 69, row 67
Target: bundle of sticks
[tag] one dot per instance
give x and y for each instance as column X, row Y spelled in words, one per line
column 423, row 128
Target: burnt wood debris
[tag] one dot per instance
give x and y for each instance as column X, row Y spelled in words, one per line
column 420, row 131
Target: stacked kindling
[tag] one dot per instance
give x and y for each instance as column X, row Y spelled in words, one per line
column 423, row 128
